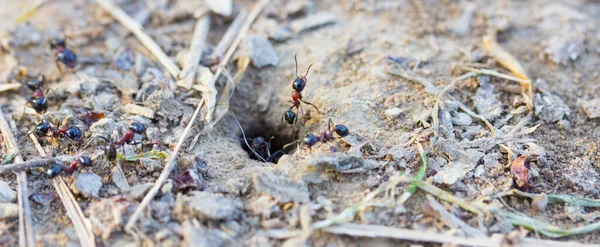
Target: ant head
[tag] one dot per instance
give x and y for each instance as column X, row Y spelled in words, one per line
column 42, row 128
column 310, row 140
column 300, row 81
column 138, row 128
column 54, row 170
column 68, row 57
column 74, row 133
column 289, row 116
column 341, row 130
column 57, row 42
column 84, row 160
column 35, row 83
column 39, row 104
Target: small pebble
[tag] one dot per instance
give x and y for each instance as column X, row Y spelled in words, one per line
column 7, row 194
column 393, row 112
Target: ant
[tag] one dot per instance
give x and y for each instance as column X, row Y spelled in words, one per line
column 38, row 102
column 298, row 85
column 110, row 151
column 326, row 135
column 42, row 129
column 262, row 149
column 58, row 168
column 63, row 54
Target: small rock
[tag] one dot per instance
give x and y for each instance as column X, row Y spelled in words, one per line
column 260, row 51
column 43, row 199
column 119, row 179
column 485, row 100
column 281, row 188
column 138, row 110
column 264, row 100
column 221, row 7
column 393, row 112
column 7, row 194
column 561, row 49
column 104, row 127
column 9, row 210
column 212, row 206
column 540, row 202
column 461, row 118
column 150, row 164
column 139, row 191
column 87, row 184
column 125, row 60
column 580, row 173
column 312, row 22
column 592, row 108
column 551, row 108
column 282, row 34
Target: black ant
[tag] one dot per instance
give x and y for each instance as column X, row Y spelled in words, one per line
column 298, row 85
column 110, row 151
column 44, row 128
column 58, row 168
column 325, row 136
column 38, row 102
column 63, row 54
column 262, row 150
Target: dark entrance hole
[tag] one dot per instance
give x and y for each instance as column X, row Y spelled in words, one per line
column 261, row 135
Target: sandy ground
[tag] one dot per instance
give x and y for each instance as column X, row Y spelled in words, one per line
column 356, row 49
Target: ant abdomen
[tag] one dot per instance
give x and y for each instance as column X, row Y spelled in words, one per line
column 341, row 130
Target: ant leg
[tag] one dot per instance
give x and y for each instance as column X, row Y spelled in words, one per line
column 274, row 155
column 24, row 137
column 329, row 124
column 57, row 62
column 289, row 144
column 308, row 103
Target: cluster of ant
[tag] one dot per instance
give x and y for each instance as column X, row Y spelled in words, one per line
column 73, row 134
column 261, row 148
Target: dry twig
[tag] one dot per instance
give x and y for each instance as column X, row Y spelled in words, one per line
column 26, row 235
column 164, row 174
column 137, row 30
column 82, row 225
column 192, row 58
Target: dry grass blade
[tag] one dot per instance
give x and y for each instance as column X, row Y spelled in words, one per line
column 165, row 172
column 136, row 29
column 26, row 235
column 374, row 231
column 420, row 175
column 451, row 220
column 229, row 35
column 192, row 58
column 511, row 63
column 238, row 39
column 82, row 225
column 31, row 11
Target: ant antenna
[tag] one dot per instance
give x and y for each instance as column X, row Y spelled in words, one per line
column 296, row 59
column 308, row 69
column 245, row 140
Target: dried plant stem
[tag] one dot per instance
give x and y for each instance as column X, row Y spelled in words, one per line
column 144, row 38
column 165, row 172
column 192, row 58
column 83, row 226
column 238, row 39
column 27, row 165
column 26, row 235
column 374, row 231
column 229, row 35
column 9, row 86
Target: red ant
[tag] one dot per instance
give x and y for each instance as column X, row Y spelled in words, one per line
column 63, row 54
column 298, row 85
column 325, row 136
column 58, row 168
column 110, row 151
column 42, row 129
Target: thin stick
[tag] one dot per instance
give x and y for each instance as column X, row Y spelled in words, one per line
column 230, row 33
column 144, row 38
column 238, row 39
column 82, row 225
column 192, row 58
column 374, row 231
column 165, row 172
column 26, row 235
column 27, row 165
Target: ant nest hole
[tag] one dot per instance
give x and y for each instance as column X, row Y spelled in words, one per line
column 266, row 140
